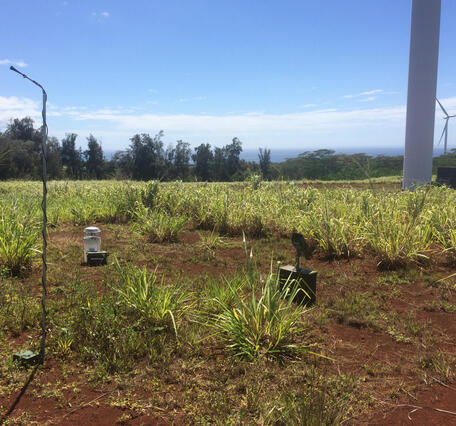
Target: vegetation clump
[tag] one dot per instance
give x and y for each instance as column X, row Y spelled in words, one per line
column 18, row 240
column 264, row 322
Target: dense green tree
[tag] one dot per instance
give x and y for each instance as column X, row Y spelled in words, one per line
column 178, row 161
column 264, row 157
column 182, row 155
column 232, row 154
column 23, row 130
column 94, row 159
column 54, row 161
column 71, row 157
column 19, row 160
column 120, row 166
column 204, row 162
column 220, row 171
column 147, row 156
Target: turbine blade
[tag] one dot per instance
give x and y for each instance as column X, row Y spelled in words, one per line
column 444, row 131
column 441, row 106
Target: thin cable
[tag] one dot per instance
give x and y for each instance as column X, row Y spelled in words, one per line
column 44, row 131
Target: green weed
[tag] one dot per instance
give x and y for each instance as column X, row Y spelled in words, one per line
column 18, row 241
column 156, row 226
column 266, row 324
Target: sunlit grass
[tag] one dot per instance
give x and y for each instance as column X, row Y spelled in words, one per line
column 397, row 227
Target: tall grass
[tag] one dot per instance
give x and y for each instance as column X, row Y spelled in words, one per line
column 155, row 303
column 138, row 320
column 397, row 234
column 264, row 322
column 397, row 227
column 156, row 226
column 18, row 241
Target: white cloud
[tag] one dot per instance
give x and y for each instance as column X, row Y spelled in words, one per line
column 20, row 64
column 196, row 98
column 368, row 99
column 101, row 16
column 323, row 127
column 371, row 92
column 312, row 121
column 367, row 93
column 307, row 106
column 14, row 107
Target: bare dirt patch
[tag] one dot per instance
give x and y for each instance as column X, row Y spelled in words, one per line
column 389, row 330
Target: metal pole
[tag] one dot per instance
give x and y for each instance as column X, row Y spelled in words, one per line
column 43, row 278
column 43, row 206
column 422, row 84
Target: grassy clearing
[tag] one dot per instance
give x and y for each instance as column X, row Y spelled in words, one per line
column 200, row 328
column 399, row 228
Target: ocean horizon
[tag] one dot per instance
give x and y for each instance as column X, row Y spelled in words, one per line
column 280, row 155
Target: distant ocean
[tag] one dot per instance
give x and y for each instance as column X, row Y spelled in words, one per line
column 279, row 155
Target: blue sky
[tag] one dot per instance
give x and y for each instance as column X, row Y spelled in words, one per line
column 291, row 74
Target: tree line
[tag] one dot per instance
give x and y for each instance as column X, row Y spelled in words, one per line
column 147, row 158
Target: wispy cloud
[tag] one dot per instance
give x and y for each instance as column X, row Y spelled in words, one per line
column 12, row 107
column 196, row 98
column 366, row 93
column 368, row 99
column 307, row 106
column 20, row 64
column 101, row 16
column 316, row 125
column 369, row 94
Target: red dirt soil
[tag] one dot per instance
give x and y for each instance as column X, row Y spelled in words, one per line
column 384, row 362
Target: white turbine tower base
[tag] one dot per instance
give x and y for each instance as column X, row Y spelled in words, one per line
column 422, row 85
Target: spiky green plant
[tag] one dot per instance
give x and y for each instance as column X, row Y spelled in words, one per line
column 210, row 242
column 156, row 226
column 400, row 234
column 155, row 303
column 266, row 324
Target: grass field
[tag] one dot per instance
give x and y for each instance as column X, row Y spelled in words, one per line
column 187, row 323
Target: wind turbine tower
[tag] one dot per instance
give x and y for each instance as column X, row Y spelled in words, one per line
column 422, row 85
column 445, row 128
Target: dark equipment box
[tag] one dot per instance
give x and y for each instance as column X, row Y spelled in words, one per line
column 446, row 176
column 305, row 279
